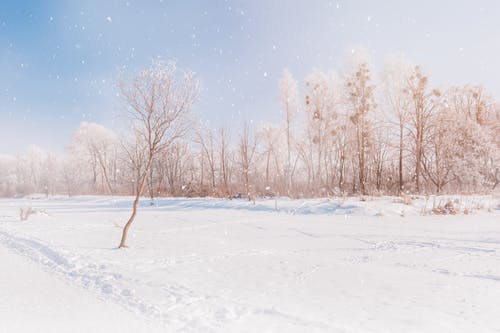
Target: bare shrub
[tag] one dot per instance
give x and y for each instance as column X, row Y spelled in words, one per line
column 405, row 199
column 26, row 212
column 448, row 208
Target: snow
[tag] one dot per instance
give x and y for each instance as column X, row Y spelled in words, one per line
column 210, row 265
column 37, row 301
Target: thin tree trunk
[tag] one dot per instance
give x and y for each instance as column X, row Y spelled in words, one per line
column 104, row 172
column 129, row 222
column 151, row 185
column 288, row 166
column 341, row 174
column 400, row 190
column 138, row 194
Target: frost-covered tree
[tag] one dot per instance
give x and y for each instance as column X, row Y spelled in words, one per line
column 396, row 105
column 271, row 171
column 492, row 165
column 70, row 175
column 423, row 104
column 471, row 133
column 97, row 145
column 7, row 175
column 322, row 98
column 224, row 154
column 36, row 172
column 438, row 155
column 289, row 107
column 207, row 141
column 179, row 164
column 361, row 95
column 247, row 154
column 342, row 145
column 158, row 101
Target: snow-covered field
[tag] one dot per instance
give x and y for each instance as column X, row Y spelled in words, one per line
column 202, row 265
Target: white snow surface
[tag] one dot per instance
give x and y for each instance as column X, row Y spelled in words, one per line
column 276, row 265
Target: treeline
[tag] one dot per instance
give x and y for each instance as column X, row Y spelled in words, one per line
column 341, row 134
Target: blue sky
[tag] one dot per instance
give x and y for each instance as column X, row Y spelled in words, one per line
column 59, row 60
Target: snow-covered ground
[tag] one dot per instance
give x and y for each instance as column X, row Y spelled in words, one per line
column 202, row 265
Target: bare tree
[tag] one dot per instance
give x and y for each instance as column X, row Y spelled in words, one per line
column 206, row 139
column 397, row 103
column 379, row 154
column 437, row 158
column 423, row 106
column 361, row 95
column 247, row 153
column 224, row 160
column 470, row 136
column 173, row 167
column 269, row 136
column 289, row 99
column 176, row 160
column 98, row 146
column 321, row 99
column 70, row 175
column 341, row 151
column 158, row 102
column 7, row 175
